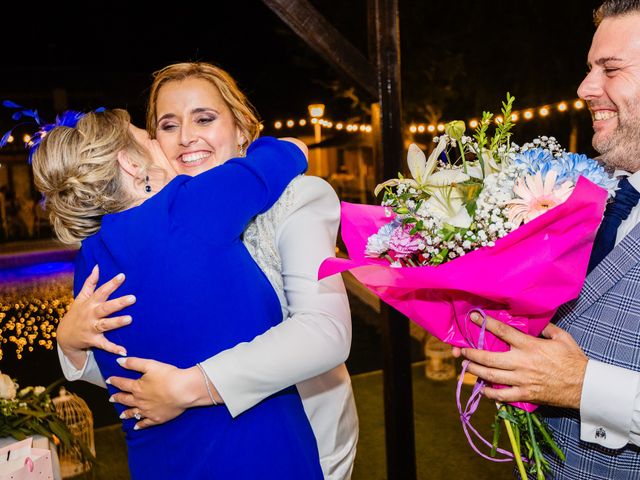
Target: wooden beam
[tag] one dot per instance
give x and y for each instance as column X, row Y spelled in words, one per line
column 312, row 27
column 398, row 393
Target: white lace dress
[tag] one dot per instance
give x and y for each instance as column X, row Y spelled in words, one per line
column 328, row 397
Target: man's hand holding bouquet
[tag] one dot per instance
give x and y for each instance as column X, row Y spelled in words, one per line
column 485, row 226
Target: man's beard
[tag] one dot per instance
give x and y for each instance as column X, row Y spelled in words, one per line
column 621, row 148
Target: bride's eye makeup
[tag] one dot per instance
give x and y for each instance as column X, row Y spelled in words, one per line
column 206, row 119
column 167, row 126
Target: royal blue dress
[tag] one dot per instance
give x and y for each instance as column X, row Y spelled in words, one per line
column 199, row 292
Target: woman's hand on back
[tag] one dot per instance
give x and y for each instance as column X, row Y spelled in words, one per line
column 162, row 393
column 83, row 326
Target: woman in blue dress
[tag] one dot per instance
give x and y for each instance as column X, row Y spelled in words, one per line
column 196, row 285
column 201, row 119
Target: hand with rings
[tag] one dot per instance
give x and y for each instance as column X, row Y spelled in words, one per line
column 84, row 324
column 98, row 325
column 162, row 392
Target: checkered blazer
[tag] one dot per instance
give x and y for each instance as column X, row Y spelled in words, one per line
column 605, row 321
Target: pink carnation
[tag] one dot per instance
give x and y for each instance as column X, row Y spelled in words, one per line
column 402, row 243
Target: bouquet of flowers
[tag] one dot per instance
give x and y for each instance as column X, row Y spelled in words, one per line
column 30, row 411
column 487, row 225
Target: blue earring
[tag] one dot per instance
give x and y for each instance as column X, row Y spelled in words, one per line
column 147, row 187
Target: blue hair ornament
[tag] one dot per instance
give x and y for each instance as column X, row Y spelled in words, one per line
column 69, row 118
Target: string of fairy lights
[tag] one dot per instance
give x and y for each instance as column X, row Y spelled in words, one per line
column 316, row 112
column 526, row 114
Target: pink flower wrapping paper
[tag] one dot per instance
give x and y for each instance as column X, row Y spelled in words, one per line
column 521, row 281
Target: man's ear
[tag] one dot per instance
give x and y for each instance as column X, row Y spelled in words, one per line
column 127, row 164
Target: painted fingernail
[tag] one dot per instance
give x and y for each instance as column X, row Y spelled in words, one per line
column 122, row 353
column 127, row 320
column 130, row 298
column 120, row 277
column 136, row 427
column 111, row 399
column 121, row 361
column 123, row 416
column 108, row 381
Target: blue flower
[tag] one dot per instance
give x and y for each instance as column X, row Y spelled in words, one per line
column 568, row 167
column 378, row 243
column 535, row 160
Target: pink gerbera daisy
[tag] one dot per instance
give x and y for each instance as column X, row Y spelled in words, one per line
column 537, row 195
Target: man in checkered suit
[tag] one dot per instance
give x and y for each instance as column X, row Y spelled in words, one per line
column 586, row 368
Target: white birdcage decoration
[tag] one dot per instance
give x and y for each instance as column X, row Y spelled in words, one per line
column 76, row 414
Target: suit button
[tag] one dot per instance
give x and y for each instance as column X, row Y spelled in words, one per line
column 601, row 433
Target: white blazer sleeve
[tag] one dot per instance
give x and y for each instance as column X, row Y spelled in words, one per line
column 89, row 372
column 610, row 406
column 316, row 337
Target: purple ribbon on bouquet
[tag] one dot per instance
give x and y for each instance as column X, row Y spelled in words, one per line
column 476, row 396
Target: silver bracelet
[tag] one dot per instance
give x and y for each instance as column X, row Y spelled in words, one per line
column 206, row 383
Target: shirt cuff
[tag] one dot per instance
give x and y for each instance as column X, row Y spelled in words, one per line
column 71, row 373
column 607, row 404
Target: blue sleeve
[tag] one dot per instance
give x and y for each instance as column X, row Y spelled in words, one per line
column 220, row 202
column 81, row 270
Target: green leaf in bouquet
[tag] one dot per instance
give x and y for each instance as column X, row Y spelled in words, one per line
column 470, row 189
column 507, row 415
column 542, row 428
column 419, row 226
column 471, row 208
column 497, row 430
column 535, row 452
column 408, row 220
column 440, row 257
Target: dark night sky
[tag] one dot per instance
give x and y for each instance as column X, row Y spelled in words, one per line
column 534, row 48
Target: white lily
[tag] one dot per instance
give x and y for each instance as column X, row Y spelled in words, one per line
column 444, row 178
column 446, row 204
column 420, row 167
column 491, row 166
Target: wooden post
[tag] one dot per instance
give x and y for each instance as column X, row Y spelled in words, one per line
column 381, row 80
column 396, row 338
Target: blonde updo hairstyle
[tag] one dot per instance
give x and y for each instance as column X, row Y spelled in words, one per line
column 77, row 171
column 243, row 112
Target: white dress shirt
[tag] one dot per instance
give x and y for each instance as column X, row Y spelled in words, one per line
column 611, row 394
column 310, row 346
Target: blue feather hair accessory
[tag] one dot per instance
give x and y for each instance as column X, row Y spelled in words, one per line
column 66, row 119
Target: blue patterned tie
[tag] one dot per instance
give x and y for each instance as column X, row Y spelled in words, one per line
column 626, row 198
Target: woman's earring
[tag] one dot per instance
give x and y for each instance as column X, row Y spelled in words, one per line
column 147, row 187
column 241, row 151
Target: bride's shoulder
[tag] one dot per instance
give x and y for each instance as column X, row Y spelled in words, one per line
column 308, row 189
